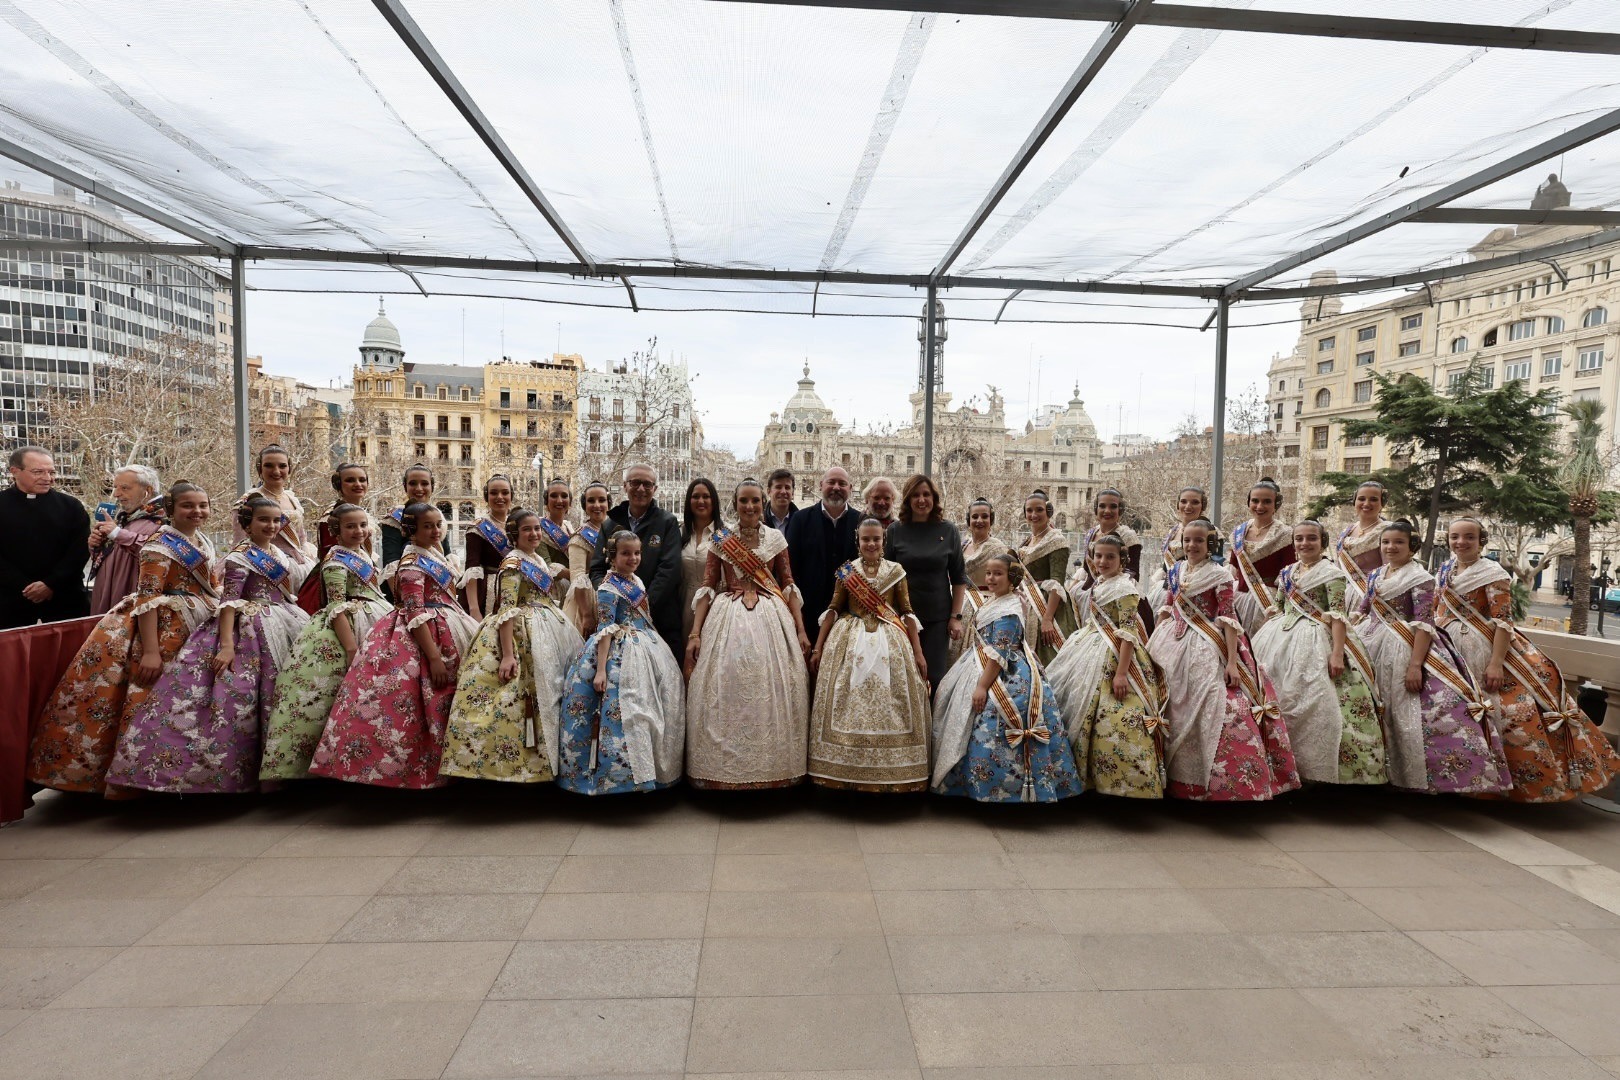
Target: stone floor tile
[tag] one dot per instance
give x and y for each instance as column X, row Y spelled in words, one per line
column 1271, row 1070
column 35, row 839
column 229, row 839
column 1209, row 836
column 1101, row 870
column 1562, row 897
column 963, row 911
column 311, row 876
column 574, row 1038
column 1168, row 961
column 975, row 871
column 129, row 1044
column 1521, row 957
column 634, row 873
column 1597, row 885
column 1017, row 1031
column 1499, row 1068
column 795, row 914
column 473, row 874
column 139, row 879
column 1306, row 834
column 1419, row 835
column 497, row 837
column 790, row 836
column 1372, row 958
column 1059, row 1072
column 171, row 975
column 1606, row 940
column 789, row 873
column 956, row 836
column 599, row 969
column 33, row 978
column 1505, row 841
column 688, row 837
column 1237, row 1026
column 1448, row 1021
column 1268, row 869
column 499, row 917
column 1582, row 1016
column 764, row 1034
column 1041, row 837
column 330, row 841
column 20, row 877
column 399, row 1041
column 1444, row 908
column 1483, row 868
column 988, row 962
column 767, row 967
column 1380, row 869
column 381, row 972
column 10, row 1018
column 605, row 916
column 39, row 921
column 1264, row 911
column 212, row 919
column 1127, row 911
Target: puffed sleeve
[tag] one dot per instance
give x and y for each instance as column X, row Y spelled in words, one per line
column 838, row 604
column 1499, row 603
column 579, row 564
column 411, row 585
column 1423, row 606
column 335, row 580
column 512, row 583
column 713, row 571
column 154, row 571
column 1225, row 606
column 607, row 610
column 1335, row 598
column 1006, row 638
column 236, row 578
column 472, row 559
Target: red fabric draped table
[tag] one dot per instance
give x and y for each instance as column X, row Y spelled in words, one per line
column 32, row 661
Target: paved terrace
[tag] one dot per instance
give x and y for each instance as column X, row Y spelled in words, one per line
column 492, row 932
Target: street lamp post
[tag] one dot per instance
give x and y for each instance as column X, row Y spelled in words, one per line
column 1603, row 592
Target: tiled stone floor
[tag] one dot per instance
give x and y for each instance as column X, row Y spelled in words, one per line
column 498, row 933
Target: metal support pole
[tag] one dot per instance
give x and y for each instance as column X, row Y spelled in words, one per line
column 930, row 349
column 1218, row 455
column 239, row 371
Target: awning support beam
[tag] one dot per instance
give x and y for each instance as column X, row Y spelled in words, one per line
column 1223, row 311
column 239, row 372
column 1504, row 216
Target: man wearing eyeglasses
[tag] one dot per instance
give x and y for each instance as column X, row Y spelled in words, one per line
column 660, row 534
column 44, row 544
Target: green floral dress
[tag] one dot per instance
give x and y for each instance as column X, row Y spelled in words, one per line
column 1046, row 569
column 508, row 730
column 308, row 685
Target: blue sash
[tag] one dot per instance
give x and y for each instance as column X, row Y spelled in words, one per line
column 1237, row 536
column 265, row 564
column 555, row 534
column 536, row 575
column 590, row 534
column 1172, row 579
column 184, row 552
column 627, row 588
column 397, row 515
column 438, row 571
column 354, row 564
column 494, row 536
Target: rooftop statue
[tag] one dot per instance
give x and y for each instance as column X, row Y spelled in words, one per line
column 1551, row 195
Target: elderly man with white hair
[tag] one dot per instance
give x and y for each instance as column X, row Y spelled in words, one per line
column 118, row 533
column 660, row 533
column 820, row 539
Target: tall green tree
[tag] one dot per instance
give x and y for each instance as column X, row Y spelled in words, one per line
column 1581, row 478
column 1469, row 447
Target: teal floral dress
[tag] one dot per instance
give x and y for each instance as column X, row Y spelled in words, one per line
column 1011, row 750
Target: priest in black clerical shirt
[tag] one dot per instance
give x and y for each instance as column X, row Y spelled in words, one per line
column 44, row 544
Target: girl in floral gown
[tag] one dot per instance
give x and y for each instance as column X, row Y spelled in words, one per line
column 201, row 728
column 1227, row 738
column 1554, row 752
column 978, row 548
column 307, row 686
column 869, row 726
column 507, row 708
column 624, row 706
column 1108, row 507
column 418, row 487
column 748, row 703
column 1045, row 557
column 998, row 736
column 485, row 546
column 1192, row 503
column 1261, row 547
column 132, row 646
column 387, row 725
column 580, row 602
column 1109, row 694
column 1357, row 549
column 274, row 466
column 1437, row 730
column 1323, row 676
column 350, row 482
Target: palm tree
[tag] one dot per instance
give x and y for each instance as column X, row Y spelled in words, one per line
column 1582, row 478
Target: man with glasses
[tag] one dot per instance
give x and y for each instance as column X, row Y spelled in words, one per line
column 820, row 539
column 44, row 544
column 660, row 534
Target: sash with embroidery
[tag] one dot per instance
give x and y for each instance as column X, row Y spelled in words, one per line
column 590, row 534
column 1437, row 662
column 440, row 573
column 354, row 563
column 1252, row 577
column 1194, row 616
column 266, row 566
column 856, row 585
column 1550, row 700
column 1347, row 562
column 1309, row 608
column 1165, row 551
column 397, row 515
column 628, row 588
column 555, row 534
column 535, row 574
column 187, row 555
column 739, row 555
column 494, row 536
column 1134, row 675
column 1021, row 732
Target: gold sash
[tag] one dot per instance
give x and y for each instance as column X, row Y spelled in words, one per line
column 743, row 558
column 1553, row 702
column 1250, row 679
column 1353, row 647
column 1435, row 662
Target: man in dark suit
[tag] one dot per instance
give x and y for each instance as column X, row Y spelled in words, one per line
column 660, row 534
column 44, row 544
column 820, row 539
column 779, row 487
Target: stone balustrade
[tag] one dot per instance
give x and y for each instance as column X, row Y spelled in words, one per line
column 1591, row 659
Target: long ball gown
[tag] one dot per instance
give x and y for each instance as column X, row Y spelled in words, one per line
column 1227, row 743
column 78, row 733
column 1046, row 572
column 1255, row 563
column 630, row 736
column 1015, row 749
column 869, row 726
column 1333, row 724
column 1439, row 739
column 308, row 685
column 1118, row 742
column 1554, row 751
column 748, row 702
column 202, row 732
column 508, row 730
column 387, row 725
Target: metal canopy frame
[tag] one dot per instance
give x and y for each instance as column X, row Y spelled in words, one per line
column 1122, row 15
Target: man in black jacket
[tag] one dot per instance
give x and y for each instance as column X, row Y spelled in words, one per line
column 820, row 539
column 660, row 534
column 44, row 544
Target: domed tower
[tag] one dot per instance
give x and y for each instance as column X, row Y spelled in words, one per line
column 806, row 413
column 380, row 348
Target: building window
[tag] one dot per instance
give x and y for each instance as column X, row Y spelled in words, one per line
column 1459, row 344
column 1364, row 391
column 532, row 399
column 594, row 442
column 911, row 463
column 1409, row 348
column 1319, row 438
column 466, row 394
column 1596, row 317
column 506, row 428
column 787, row 459
column 421, row 450
column 1358, row 466
column 1358, row 440
column 444, row 394
column 1454, row 379
column 556, row 452
column 866, row 462
column 809, row 459
column 506, row 399
column 466, row 427
column 675, row 412
column 444, row 452
column 557, row 401
column 1363, row 359
column 1552, row 365
column 1324, row 344
column 1291, row 451
column 1412, row 322
column 1524, row 328
column 1324, row 367
column 419, row 422
column 888, row 463
column 532, row 428
column 382, row 448
column 1555, row 324
column 1516, row 371
column 596, row 408
column 1324, row 398
column 417, row 390
column 444, row 425
column 1026, row 465
column 466, row 455
column 1366, row 333
column 1590, row 361
column 618, row 408
column 844, row 461
column 1282, row 386
column 362, row 448
column 1489, row 340
column 1046, row 468
column 1063, row 494
column 1063, row 468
